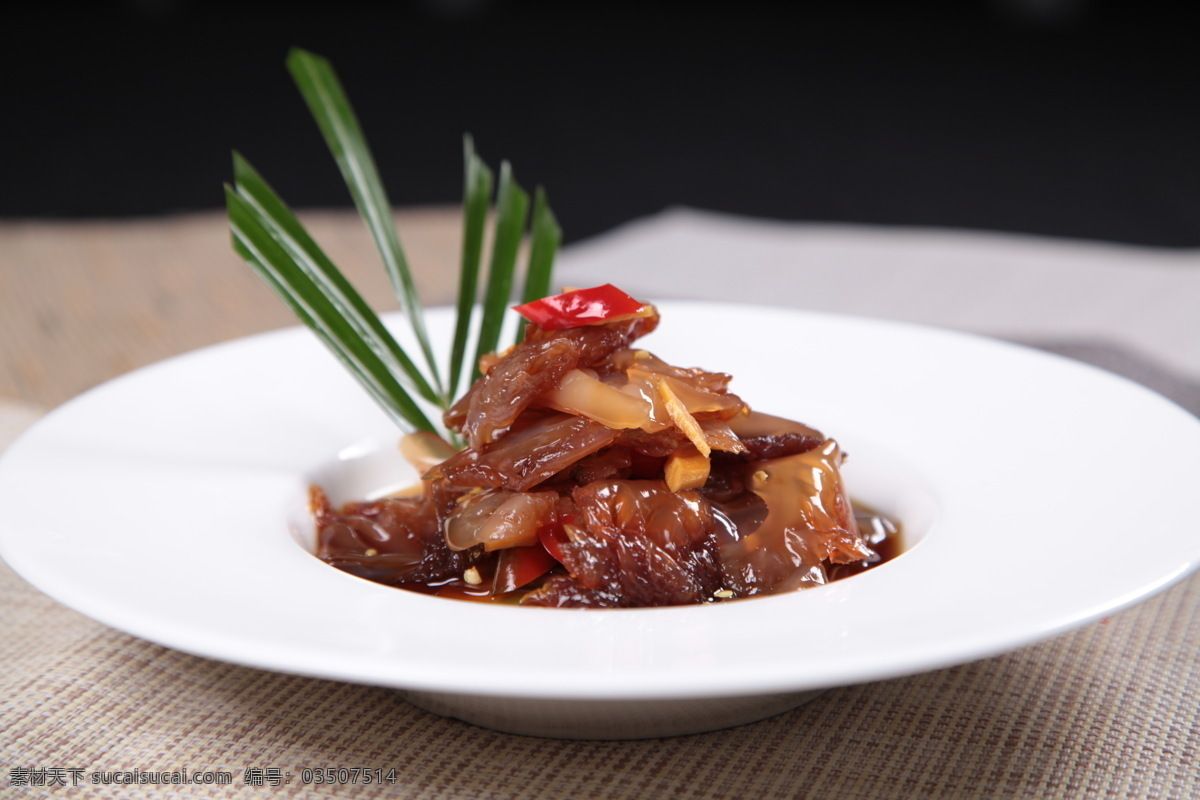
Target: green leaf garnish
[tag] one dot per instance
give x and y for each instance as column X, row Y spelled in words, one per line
column 477, row 191
column 512, row 206
column 283, row 226
column 254, row 241
column 330, row 106
column 273, row 242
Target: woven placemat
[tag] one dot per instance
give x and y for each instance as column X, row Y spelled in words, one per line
column 83, row 302
column 1111, row 710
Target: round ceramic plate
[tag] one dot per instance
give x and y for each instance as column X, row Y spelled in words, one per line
column 1036, row 494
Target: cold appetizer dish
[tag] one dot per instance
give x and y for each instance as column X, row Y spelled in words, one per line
column 597, row 475
column 578, row 470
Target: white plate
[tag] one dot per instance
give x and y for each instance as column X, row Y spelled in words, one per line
column 1037, row 493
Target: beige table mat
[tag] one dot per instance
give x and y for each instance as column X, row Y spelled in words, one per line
column 83, row 302
column 1107, row 711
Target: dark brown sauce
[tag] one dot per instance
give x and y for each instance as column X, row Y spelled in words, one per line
column 883, row 534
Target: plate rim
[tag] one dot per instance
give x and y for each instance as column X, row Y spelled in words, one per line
column 769, row 681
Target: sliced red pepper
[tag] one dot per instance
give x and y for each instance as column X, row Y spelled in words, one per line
column 580, row 307
column 518, row 566
column 552, row 536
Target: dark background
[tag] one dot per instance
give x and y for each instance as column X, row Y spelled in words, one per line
column 1072, row 118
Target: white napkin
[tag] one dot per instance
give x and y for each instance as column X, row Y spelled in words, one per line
column 1146, row 300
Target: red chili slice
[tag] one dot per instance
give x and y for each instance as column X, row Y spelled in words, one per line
column 553, row 536
column 580, row 307
column 518, row 566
